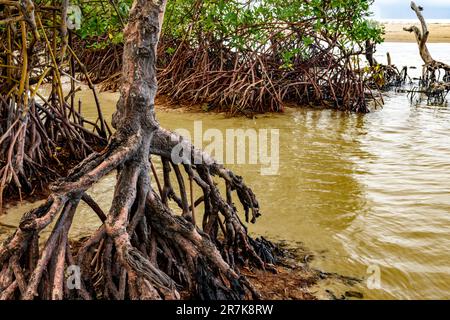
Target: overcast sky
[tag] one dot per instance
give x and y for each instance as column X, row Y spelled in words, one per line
column 400, row 9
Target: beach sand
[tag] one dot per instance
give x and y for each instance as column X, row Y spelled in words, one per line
column 439, row 32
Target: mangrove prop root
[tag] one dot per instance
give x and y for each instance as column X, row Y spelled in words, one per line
column 206, row 70
column 38, row 132
column 382, row 76
column 143, row 250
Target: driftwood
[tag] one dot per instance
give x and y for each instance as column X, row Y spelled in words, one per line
column 431, row 66
column 142, row 250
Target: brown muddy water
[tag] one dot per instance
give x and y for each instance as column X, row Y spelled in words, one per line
column 362, row 192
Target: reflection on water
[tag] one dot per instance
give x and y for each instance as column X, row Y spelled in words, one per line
column 359, row 190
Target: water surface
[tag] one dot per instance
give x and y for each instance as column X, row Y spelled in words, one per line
column 360, row 191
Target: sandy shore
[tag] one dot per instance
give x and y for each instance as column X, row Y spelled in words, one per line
column 439, row 32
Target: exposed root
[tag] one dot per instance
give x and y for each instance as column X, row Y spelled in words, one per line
column 157, row 252
column 288, row 62
column 142, row 250
column 141, row 240
column 39, row 132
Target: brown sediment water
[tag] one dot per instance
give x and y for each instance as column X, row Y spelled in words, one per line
column 362, row 192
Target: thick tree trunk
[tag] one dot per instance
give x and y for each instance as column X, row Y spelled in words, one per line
column 142, row 250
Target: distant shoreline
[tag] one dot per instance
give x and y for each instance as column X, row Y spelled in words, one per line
column 439, row 31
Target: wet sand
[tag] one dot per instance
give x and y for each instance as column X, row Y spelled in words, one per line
column 439, row 32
